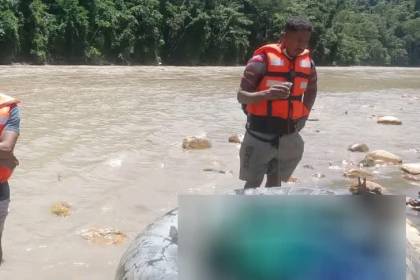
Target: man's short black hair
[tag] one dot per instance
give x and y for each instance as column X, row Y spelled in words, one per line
column 298, row 24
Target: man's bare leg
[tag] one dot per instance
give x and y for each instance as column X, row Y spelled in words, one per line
column 273, row 180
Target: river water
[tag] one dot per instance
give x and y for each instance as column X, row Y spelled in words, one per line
column 108, row 141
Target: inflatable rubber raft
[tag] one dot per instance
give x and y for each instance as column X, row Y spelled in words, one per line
column 152, row 255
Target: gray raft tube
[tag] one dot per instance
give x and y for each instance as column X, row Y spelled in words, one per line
column 152, row 255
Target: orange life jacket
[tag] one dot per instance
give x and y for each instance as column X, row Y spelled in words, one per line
column 282, row 114
column 7, row 165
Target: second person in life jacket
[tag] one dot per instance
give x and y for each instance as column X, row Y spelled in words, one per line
column 277, row 92
column 9, row 133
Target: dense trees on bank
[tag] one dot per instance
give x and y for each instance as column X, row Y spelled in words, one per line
column 204, row 32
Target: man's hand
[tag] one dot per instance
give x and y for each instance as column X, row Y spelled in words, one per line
column 275, row 92
column 279, row 91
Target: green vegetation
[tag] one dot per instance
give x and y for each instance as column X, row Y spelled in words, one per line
column 204, row 32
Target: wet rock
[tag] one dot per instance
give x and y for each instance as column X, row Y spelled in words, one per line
column 318, row 175
column 61, row 209
column 235, row 138
column 413, row 203
column 414, row 150
column 334, row 167
column 196, row 143
column 380, row 157
column 217, row 170
column 308, row 166
column 362, row 148
column 411, row 168
column 103, row 236
column 411, row 177
column 389, row 120
column 356, row 173
column 364, row 187
column 347, row 163
column 367, row 162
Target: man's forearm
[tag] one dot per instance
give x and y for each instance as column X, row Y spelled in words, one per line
column 5, row 150
column 246, row 97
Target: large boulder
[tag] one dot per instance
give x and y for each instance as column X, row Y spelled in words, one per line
column 411, row 168
column 381, row 157
column 389, row 120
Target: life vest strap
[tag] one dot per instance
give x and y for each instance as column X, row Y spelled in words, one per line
column 296, row 98
column 279, row 74
column 302, row 75
column 270, row 125
column 288, row 75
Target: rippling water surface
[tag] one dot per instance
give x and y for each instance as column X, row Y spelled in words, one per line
column 108, row 141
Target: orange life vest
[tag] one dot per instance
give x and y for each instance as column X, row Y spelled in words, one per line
column 276, row 115
column 7, row 165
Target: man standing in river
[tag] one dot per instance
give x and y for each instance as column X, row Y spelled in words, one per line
column 277, row 92
column 9, row 133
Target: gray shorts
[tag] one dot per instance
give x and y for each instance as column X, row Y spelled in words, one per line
column 258, row 158
column 4, row 210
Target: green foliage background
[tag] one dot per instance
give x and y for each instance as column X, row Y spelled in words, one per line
column 204, row 32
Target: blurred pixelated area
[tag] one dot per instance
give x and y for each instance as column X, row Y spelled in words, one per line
column 291, row 237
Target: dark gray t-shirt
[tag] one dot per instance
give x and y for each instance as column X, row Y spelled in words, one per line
column 12, row 124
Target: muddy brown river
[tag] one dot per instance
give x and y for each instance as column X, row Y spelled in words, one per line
column 108, row 141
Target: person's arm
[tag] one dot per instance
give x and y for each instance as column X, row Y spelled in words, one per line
column 10, row 134
column 310, row 95
column 7, row 143
column 311, row 90
column 248, row 97
column 253, row 74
